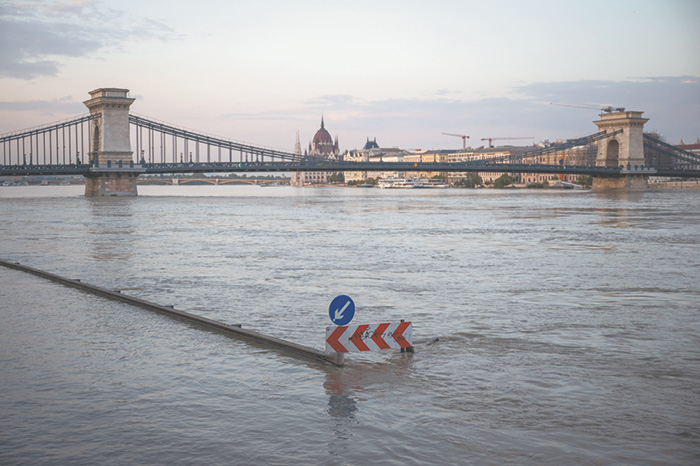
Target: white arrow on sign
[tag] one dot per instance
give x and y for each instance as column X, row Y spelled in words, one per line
column 339, row 312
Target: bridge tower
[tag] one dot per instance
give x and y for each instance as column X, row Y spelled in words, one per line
column 112, row 170
column 625, row 149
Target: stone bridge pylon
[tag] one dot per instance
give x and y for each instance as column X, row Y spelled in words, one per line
column 625, row 149
column 112, row 171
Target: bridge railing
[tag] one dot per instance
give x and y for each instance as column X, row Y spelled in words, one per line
column 165, row 143
column 51, row 144
column 538, row 153
column 684, row 158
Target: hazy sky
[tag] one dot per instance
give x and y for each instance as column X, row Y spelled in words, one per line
column 401, row 71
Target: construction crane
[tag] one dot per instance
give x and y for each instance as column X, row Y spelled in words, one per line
column 490, row 140
column 606, row 109
column 463, row 136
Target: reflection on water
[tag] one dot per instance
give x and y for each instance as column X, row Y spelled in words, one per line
column 549, row 327
column 111, row 228
column 341, row 401
column 342, row 407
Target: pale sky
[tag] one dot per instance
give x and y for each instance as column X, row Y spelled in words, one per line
column 401, row 71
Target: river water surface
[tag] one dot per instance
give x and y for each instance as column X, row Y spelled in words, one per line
column 550, row 327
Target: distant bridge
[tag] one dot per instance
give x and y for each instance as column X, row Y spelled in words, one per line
column 210, row 180
column 98, row 146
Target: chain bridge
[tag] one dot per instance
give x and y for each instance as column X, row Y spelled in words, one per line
column 99, row 145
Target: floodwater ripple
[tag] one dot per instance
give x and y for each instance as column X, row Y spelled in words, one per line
column 550, row 327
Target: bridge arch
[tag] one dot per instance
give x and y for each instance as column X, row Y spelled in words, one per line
column 612, row 154
column 94, row 144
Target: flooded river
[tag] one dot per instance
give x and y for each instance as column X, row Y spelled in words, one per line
column 550, row 327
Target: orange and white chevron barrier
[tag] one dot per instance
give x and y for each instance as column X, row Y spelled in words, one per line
column 368, row 337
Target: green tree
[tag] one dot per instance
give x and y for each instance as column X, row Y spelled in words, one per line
column 338, row 177
column 585, row 180
column 472, row 180
column 503, row 181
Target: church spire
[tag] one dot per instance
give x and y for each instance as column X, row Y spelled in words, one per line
column 297, row 146
column 322, row 121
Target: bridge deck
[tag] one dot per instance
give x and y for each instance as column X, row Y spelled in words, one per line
column 247, row 167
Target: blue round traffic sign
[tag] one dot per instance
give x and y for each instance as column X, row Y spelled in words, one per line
column 341, row 310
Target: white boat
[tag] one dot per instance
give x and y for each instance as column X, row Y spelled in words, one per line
column 433, row 183
column 570, row 185
column 396, row 183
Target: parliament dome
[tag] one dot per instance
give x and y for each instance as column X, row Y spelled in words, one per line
column 322, row 136
column 322, row 143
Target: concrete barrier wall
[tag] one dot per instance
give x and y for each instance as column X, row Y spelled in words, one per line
column 236, row 331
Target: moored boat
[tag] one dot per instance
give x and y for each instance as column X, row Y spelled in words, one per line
column 396, row 183
column 432, row 183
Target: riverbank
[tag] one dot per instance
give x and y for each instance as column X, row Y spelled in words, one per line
column 686, row 184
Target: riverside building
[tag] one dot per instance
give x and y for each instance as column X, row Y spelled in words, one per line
column 482, row 154
column 371, row 152
column 694, row 148
column 579, row 156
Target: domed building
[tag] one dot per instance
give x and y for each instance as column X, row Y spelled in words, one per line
column 323, row 144
column 323, row 147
